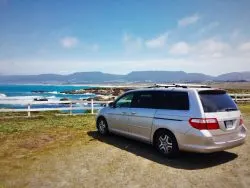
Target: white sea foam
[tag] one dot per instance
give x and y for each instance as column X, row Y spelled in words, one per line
column 53, row 92
column 51, row 97
column 2, row 95
column 88, row 94
column 24, row 99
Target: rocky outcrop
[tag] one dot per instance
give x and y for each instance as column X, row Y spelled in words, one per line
column 102, row 98
column 100, row 91
column 41, row 99
column 64, row 99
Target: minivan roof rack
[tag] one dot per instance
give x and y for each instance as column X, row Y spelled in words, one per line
column 179, row 85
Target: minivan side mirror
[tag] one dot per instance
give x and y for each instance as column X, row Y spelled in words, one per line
column 112, row 105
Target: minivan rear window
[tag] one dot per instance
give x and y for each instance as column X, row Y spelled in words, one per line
column 216, row 101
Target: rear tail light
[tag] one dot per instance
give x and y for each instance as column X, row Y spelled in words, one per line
column 241, row 121
column 204, row 123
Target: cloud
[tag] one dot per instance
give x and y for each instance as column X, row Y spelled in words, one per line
column 194, row 63
column 210, row 56
column 188, row 20
column 180, row 48
column 69, row 42
column 131, row 43
column 244, row 47
column 209, row 27
column 235, row 34
column 212, row 48
column 135, row 44
column 95, row 47
column 158, row 42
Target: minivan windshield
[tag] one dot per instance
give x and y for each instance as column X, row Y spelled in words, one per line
column 217, row 101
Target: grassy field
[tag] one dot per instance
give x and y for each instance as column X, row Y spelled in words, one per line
column 22, row 139
column 28, row 147
column 24, row 136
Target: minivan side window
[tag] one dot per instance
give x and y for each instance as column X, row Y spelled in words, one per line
column 143, row 99
column 173, row 100
column 124, row 101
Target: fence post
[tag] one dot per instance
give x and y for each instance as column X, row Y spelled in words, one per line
column 29, row 110
column 92, row 106
column 235, row 98
column 71, row 106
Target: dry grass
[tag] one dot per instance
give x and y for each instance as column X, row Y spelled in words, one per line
column 232, row 85
column 21, row 139
column 65, row 151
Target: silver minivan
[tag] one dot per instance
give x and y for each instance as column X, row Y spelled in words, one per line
column 176, row 118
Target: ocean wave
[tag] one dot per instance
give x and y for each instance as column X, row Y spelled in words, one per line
column 25, row 99
column 53, row 92
column 2, row 95
column 88, row 94
column 51, row 97
column 22, row 97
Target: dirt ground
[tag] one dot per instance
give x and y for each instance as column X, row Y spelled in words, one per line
column 115, row 161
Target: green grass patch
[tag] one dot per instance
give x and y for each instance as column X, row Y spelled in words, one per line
column 26, row 136
column 22, row 140
column 244, row 108
column 10, row 125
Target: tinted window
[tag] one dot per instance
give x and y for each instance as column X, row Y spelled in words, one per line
column 216, row 101
column 173, row 100
column 124, row 101
column 143, row 100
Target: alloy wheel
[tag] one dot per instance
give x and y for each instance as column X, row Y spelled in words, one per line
column 165, row 144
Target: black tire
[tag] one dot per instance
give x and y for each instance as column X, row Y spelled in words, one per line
column 166, row 144
column 102, row 126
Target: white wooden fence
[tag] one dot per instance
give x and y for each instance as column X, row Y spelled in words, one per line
column 240, row 97
column 87, row 105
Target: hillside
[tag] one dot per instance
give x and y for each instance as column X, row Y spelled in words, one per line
column 135, row 76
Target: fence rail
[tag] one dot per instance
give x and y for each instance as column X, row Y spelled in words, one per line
column 88, row 105
column 239, row 97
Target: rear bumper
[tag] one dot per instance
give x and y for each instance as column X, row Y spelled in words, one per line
column 214, row 148
column 203, row 144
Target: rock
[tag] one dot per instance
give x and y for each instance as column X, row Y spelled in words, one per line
column 103, row 98
column 64, row 99
column 42, row 99
column 100, row 91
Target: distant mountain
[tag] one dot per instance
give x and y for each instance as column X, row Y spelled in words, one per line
column 135, row 76
column 235, row 76
column 92, row 77
column 79, row 77
column 166, row 76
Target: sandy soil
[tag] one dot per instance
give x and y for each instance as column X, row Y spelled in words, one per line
column 115, row 161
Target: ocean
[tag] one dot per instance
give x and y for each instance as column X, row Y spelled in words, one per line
column 20, row 95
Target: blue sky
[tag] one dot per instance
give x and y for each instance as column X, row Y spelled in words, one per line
column 120, row 36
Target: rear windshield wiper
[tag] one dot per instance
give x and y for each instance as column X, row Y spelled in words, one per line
column 227, row 109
